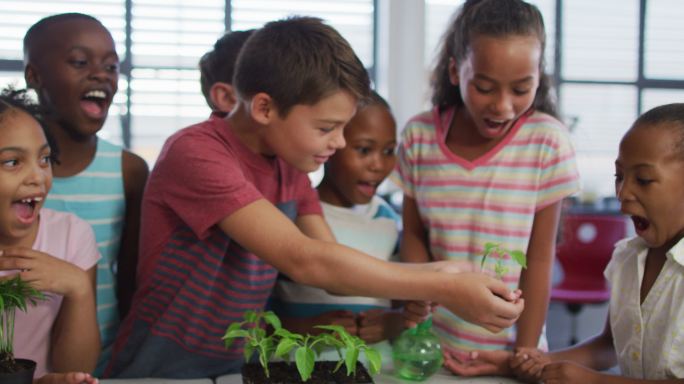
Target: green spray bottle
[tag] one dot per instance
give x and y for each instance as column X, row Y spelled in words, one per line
column 417, row 353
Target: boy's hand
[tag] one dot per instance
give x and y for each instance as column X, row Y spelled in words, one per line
column 566, row 372
column 415, row 312
column 378, row 324
column 66, row 378
column 527, row 364
column 45, row 272
column 484, row 301
column 346, row 319
column 480, row 363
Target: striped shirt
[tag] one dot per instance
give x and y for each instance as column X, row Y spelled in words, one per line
column 193, row 279
column 96, row 195
column 466, row 204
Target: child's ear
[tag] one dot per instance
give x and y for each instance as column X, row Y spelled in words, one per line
column 32, row 77
column 222, row 96
column 262, row 109
column 453, row 71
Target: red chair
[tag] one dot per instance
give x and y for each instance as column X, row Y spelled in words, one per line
column 585, row 248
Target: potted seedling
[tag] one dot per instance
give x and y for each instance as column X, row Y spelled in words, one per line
column 500, row 253
column 279, row 343
column 14, row 294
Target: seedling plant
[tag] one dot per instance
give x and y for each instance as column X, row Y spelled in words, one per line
column 14, row 294
column 281, row 343
column 495, row 250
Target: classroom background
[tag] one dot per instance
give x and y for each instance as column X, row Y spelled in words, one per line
column 611, row 60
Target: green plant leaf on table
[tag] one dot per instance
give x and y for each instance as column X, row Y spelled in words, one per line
column 281, row 342
column 305, row 360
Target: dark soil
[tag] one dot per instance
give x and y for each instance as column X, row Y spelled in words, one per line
column 19, row 371
column 9, row 365
column 287, row 373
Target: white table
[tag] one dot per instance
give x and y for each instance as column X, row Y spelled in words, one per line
column 386, row 377
column 157, row 381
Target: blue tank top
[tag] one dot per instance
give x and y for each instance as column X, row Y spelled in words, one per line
column 96, row 195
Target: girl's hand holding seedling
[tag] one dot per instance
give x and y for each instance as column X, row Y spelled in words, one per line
column 46, row 273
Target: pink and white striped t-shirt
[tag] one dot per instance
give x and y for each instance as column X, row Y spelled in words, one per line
column 493, row 198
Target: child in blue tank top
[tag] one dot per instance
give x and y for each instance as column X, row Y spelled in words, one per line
column 72, row 64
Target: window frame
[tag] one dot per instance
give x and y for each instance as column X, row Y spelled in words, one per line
column 126, row 66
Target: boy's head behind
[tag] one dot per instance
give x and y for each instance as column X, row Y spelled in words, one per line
column 354, row 173
column 649, row 175
column 70, row 60
column 298, row 60
column 217, row 68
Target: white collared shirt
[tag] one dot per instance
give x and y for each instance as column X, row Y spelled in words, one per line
column 648, row 337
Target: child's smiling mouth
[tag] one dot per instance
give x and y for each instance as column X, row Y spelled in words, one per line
column 496, row 127
column 640, row 224
column 25, row 208
column 95, row 103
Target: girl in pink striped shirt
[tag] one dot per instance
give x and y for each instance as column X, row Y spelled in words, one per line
column 489, row 164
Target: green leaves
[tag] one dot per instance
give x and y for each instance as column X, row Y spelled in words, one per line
column 272, row 320
column 491, row 249
column 519, row 258
column 284, row 347
column 281, row 342
column 305, row 359
column 374, row 359
column 14, row 294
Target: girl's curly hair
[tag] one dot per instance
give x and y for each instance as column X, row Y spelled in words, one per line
column 19, row 99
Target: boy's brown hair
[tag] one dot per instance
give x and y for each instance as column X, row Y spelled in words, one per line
column 218, row 65
column 298, row 60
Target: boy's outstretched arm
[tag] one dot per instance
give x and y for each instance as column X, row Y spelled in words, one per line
column 135, row 172
column 261, row 228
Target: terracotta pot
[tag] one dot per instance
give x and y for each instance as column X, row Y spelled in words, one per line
column 22, row 376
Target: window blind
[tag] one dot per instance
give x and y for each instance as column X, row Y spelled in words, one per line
column 354, row 19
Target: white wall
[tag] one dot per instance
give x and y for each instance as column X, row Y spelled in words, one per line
column 401, row 75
